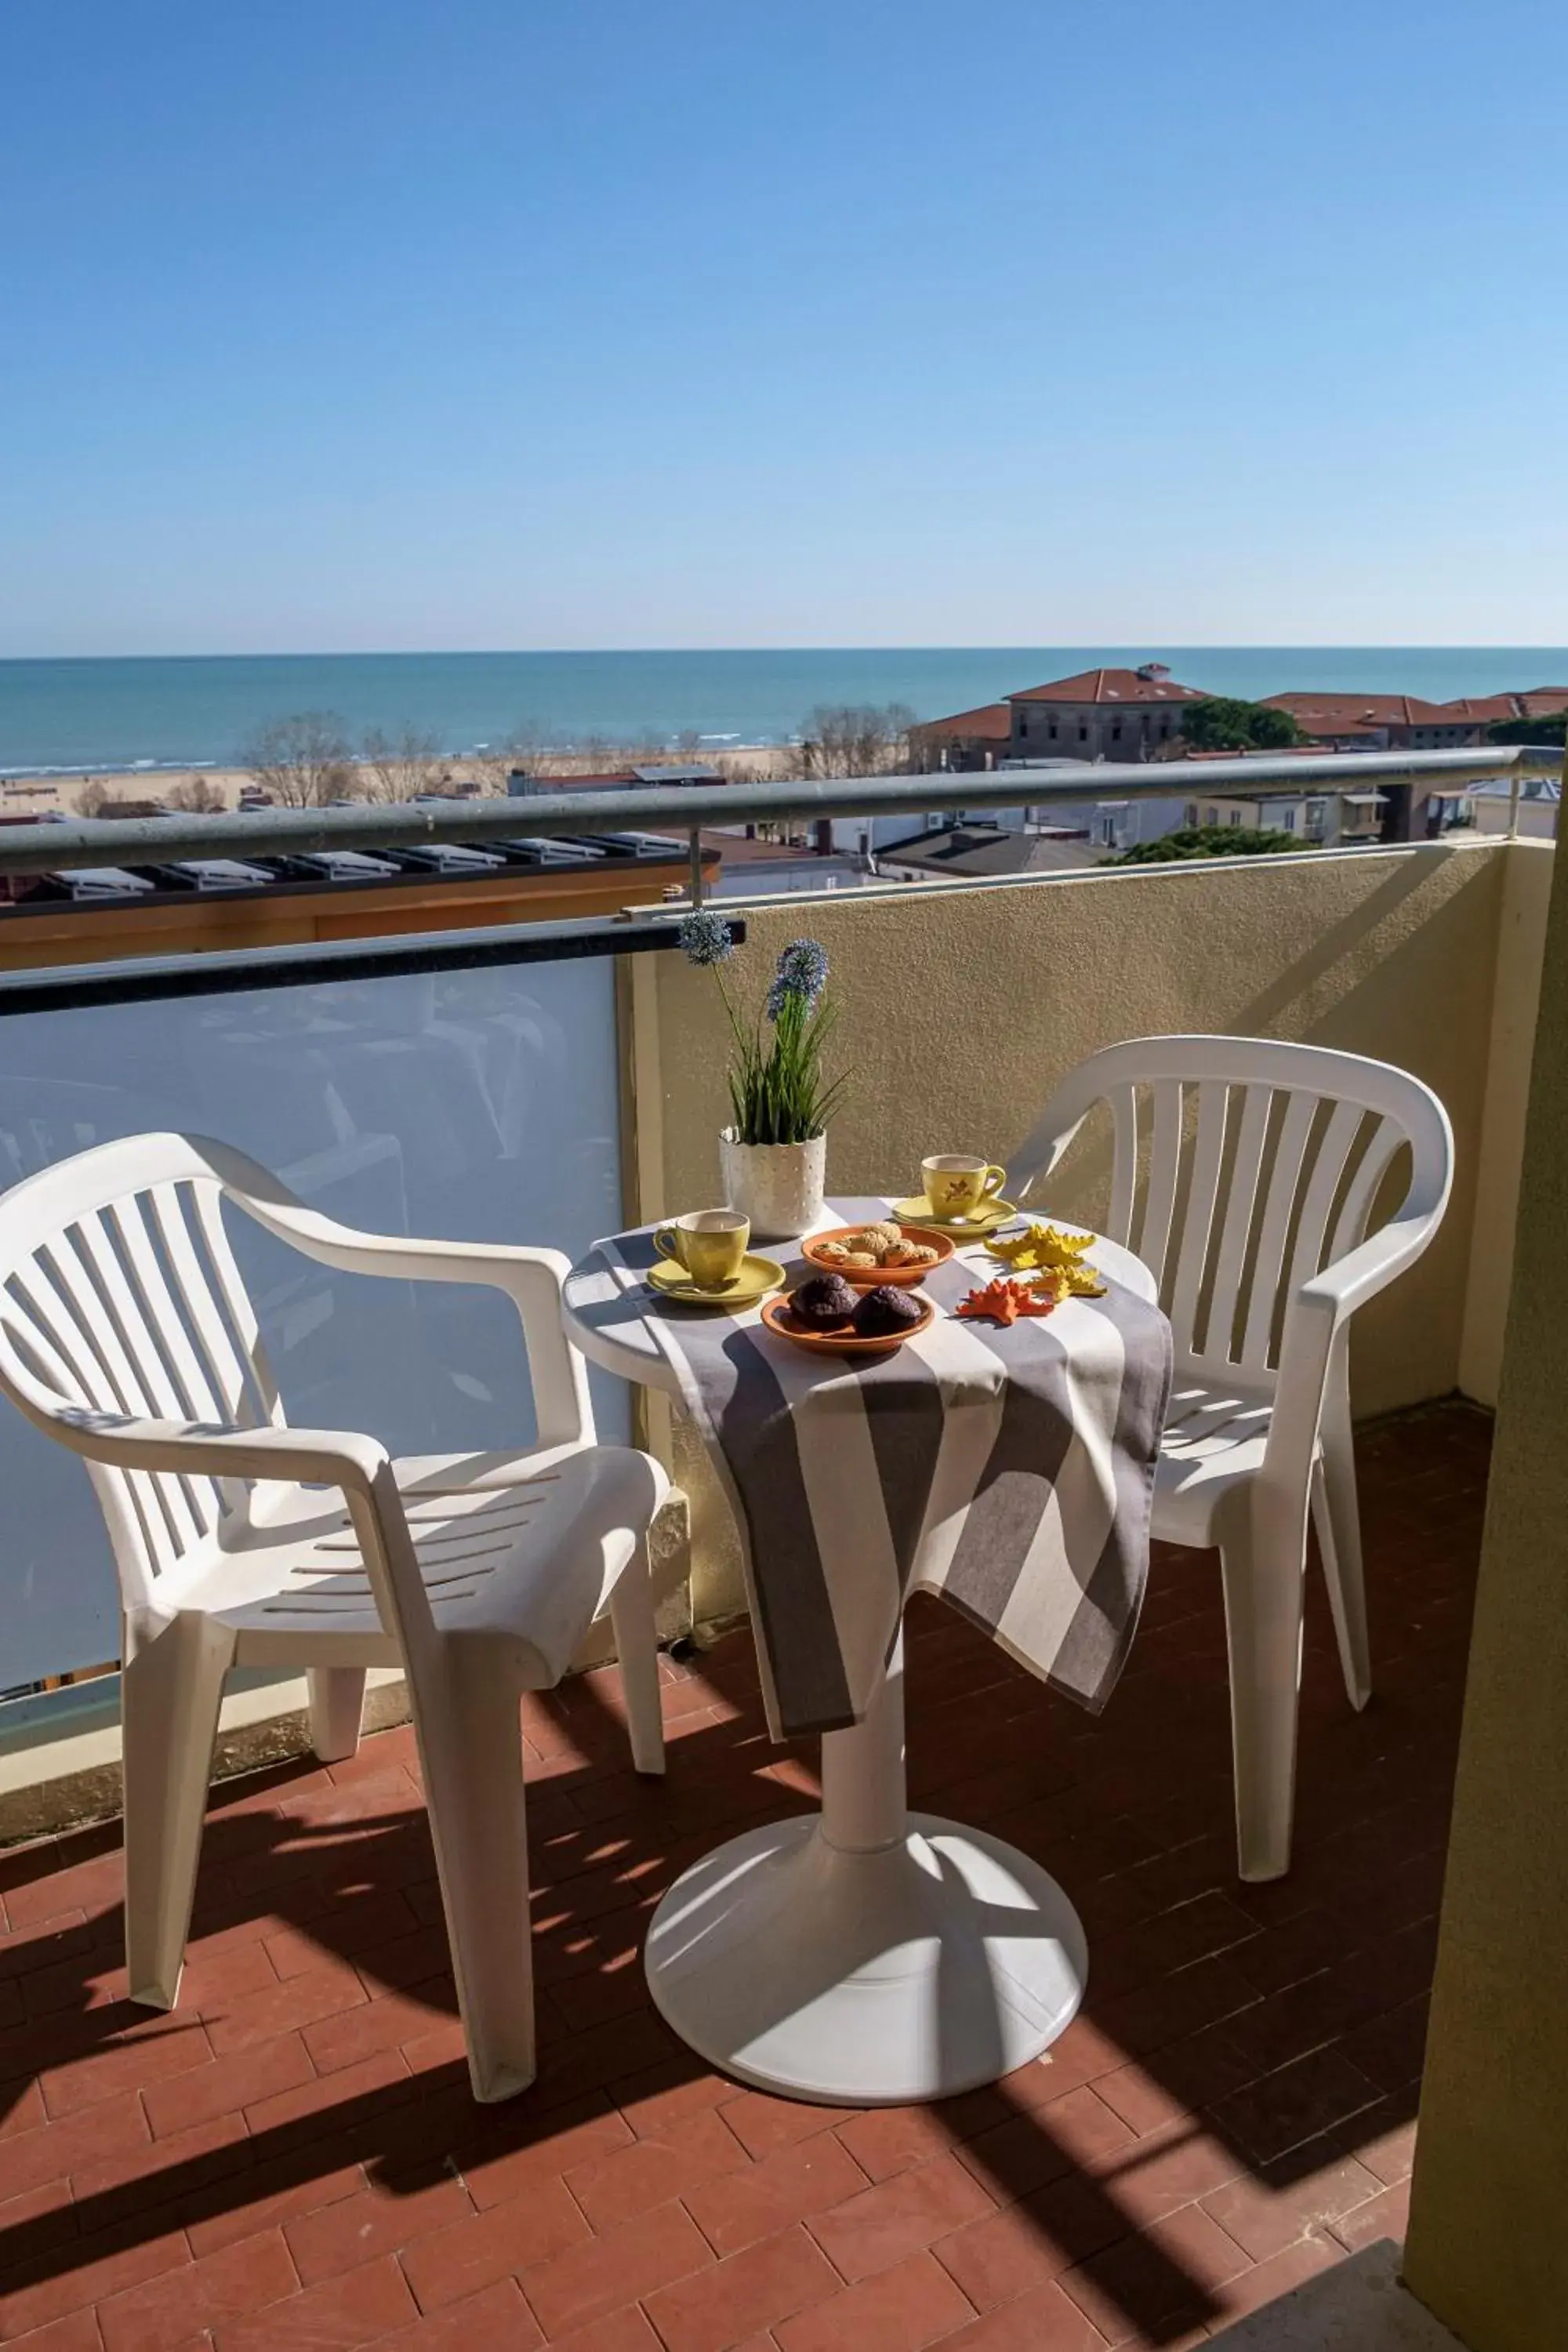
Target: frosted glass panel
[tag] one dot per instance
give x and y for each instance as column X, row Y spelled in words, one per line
column 472, row 1105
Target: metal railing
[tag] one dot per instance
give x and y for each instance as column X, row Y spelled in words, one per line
column 691, row 808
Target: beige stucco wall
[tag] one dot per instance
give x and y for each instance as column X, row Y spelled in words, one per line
column 1487, row 2247
column 963, row 1006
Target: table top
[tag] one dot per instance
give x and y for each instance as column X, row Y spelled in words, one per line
column 615, row 1328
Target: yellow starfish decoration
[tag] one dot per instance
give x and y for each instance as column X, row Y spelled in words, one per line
column 1059, row 1282
column 1040, row 1246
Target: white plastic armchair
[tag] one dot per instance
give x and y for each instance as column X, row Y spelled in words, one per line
column 126, row 1334
column 1244, row 1173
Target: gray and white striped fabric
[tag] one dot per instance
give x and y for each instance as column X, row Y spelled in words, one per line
column 1009, row 1470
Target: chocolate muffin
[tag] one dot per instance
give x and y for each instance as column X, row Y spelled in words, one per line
column 885, row 1312
column 823, row 1302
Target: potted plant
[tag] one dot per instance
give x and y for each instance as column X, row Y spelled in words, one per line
column 773, row 1155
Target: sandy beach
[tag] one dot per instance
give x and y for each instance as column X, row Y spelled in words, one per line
column 95, row 792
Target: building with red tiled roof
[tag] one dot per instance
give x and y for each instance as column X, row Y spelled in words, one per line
column 1097, row 714
column 964, row 743
column 1100, row 714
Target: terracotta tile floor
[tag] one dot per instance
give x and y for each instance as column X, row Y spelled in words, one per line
column 292, row 2160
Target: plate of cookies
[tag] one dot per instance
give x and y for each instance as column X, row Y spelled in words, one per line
column 825, row 1314
column 870, row 1257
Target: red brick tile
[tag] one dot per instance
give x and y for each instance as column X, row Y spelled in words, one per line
column 762, row 2124
column 164, row 2311
column 1266, row 2210
column 367, row 1923
column 76, row 2333
column 1250, row 2290
column 898, row 2310
column 627, row 2330
column 468, row 2255
column 355, row 2033
column 1015, row 2158
column 1382, row 2138
column 625, row 2265
column 696, row 2148
column 102, row 2265
column 1170, row 2168
column 1147, row 2284
column 1386, row 2215
column 497, row 2318
column 1087, row 2131
column 286, row 2008
column 362, row 2305
column 162, row 2172
column 225, row 2085
column 768, row 2284
column 323, row 2094
column 885, row 2140
column 882, row 2225
column 1044, row 2320
column 653, row 2100
column 1295, row 2104
column 131, row 2062
column 361, row 2229
column 756, row 2202
column 1001, row 2256
column 262, row 2198
column 1141, row 2099
column 494, row 2168
column 54, row 2151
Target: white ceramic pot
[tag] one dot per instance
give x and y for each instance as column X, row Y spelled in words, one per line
column 777, row 1185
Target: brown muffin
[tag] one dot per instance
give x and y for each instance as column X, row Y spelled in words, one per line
column 884, row 1312
column 823, row 1302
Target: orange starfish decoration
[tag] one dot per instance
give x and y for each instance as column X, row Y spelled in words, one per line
column 1003, row 1301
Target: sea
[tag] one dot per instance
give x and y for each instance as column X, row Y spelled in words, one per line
column 67, row 716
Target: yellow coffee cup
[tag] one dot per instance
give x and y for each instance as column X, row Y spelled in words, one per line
column 956, row 1186
column 711, row 1243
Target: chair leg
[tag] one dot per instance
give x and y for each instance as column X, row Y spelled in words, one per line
column 1336, row 1514
column 637, row 1647
column 337, row 1703
column 470, row 1742
column 171, row 1693
column 1263, row 1590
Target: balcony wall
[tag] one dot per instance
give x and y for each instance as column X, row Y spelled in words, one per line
column 963, row 1006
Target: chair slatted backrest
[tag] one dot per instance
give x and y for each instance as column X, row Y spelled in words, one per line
column 119, row 1297
column 1241, row 1167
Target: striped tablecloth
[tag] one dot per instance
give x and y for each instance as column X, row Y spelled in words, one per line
column 1009, row 1470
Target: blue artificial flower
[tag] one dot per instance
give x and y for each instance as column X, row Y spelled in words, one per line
column 705, row 937
column 801, row 973
column 802, row 968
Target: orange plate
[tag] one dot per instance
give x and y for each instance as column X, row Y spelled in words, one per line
column 870, row 1277
column 779, row 1316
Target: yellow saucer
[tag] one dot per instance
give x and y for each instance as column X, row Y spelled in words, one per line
column 757, row 1276
column 918, row 1211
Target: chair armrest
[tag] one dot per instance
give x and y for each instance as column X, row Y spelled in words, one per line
column 532, row 1278
column 206, row 1449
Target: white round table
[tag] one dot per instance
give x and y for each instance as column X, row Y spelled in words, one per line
column 863, row 1955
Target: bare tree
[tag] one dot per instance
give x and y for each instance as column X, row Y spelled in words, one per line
column 400, row 767
column 99, row 799
column 303, row 761
column 196, row 797
column 856, row 739
column 490, row 764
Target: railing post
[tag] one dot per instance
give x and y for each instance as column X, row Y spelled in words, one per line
column 1513, row 783
column 694, row 840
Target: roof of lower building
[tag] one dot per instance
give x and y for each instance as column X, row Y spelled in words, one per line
column 992, row 722
column 979, row 850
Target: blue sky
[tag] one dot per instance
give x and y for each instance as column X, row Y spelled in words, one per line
column 341, row 324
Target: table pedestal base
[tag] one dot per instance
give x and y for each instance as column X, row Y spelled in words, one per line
column 866, row 1979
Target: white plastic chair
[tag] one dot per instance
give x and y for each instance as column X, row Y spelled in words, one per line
column 126, row 1334
column 1245, row 1172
